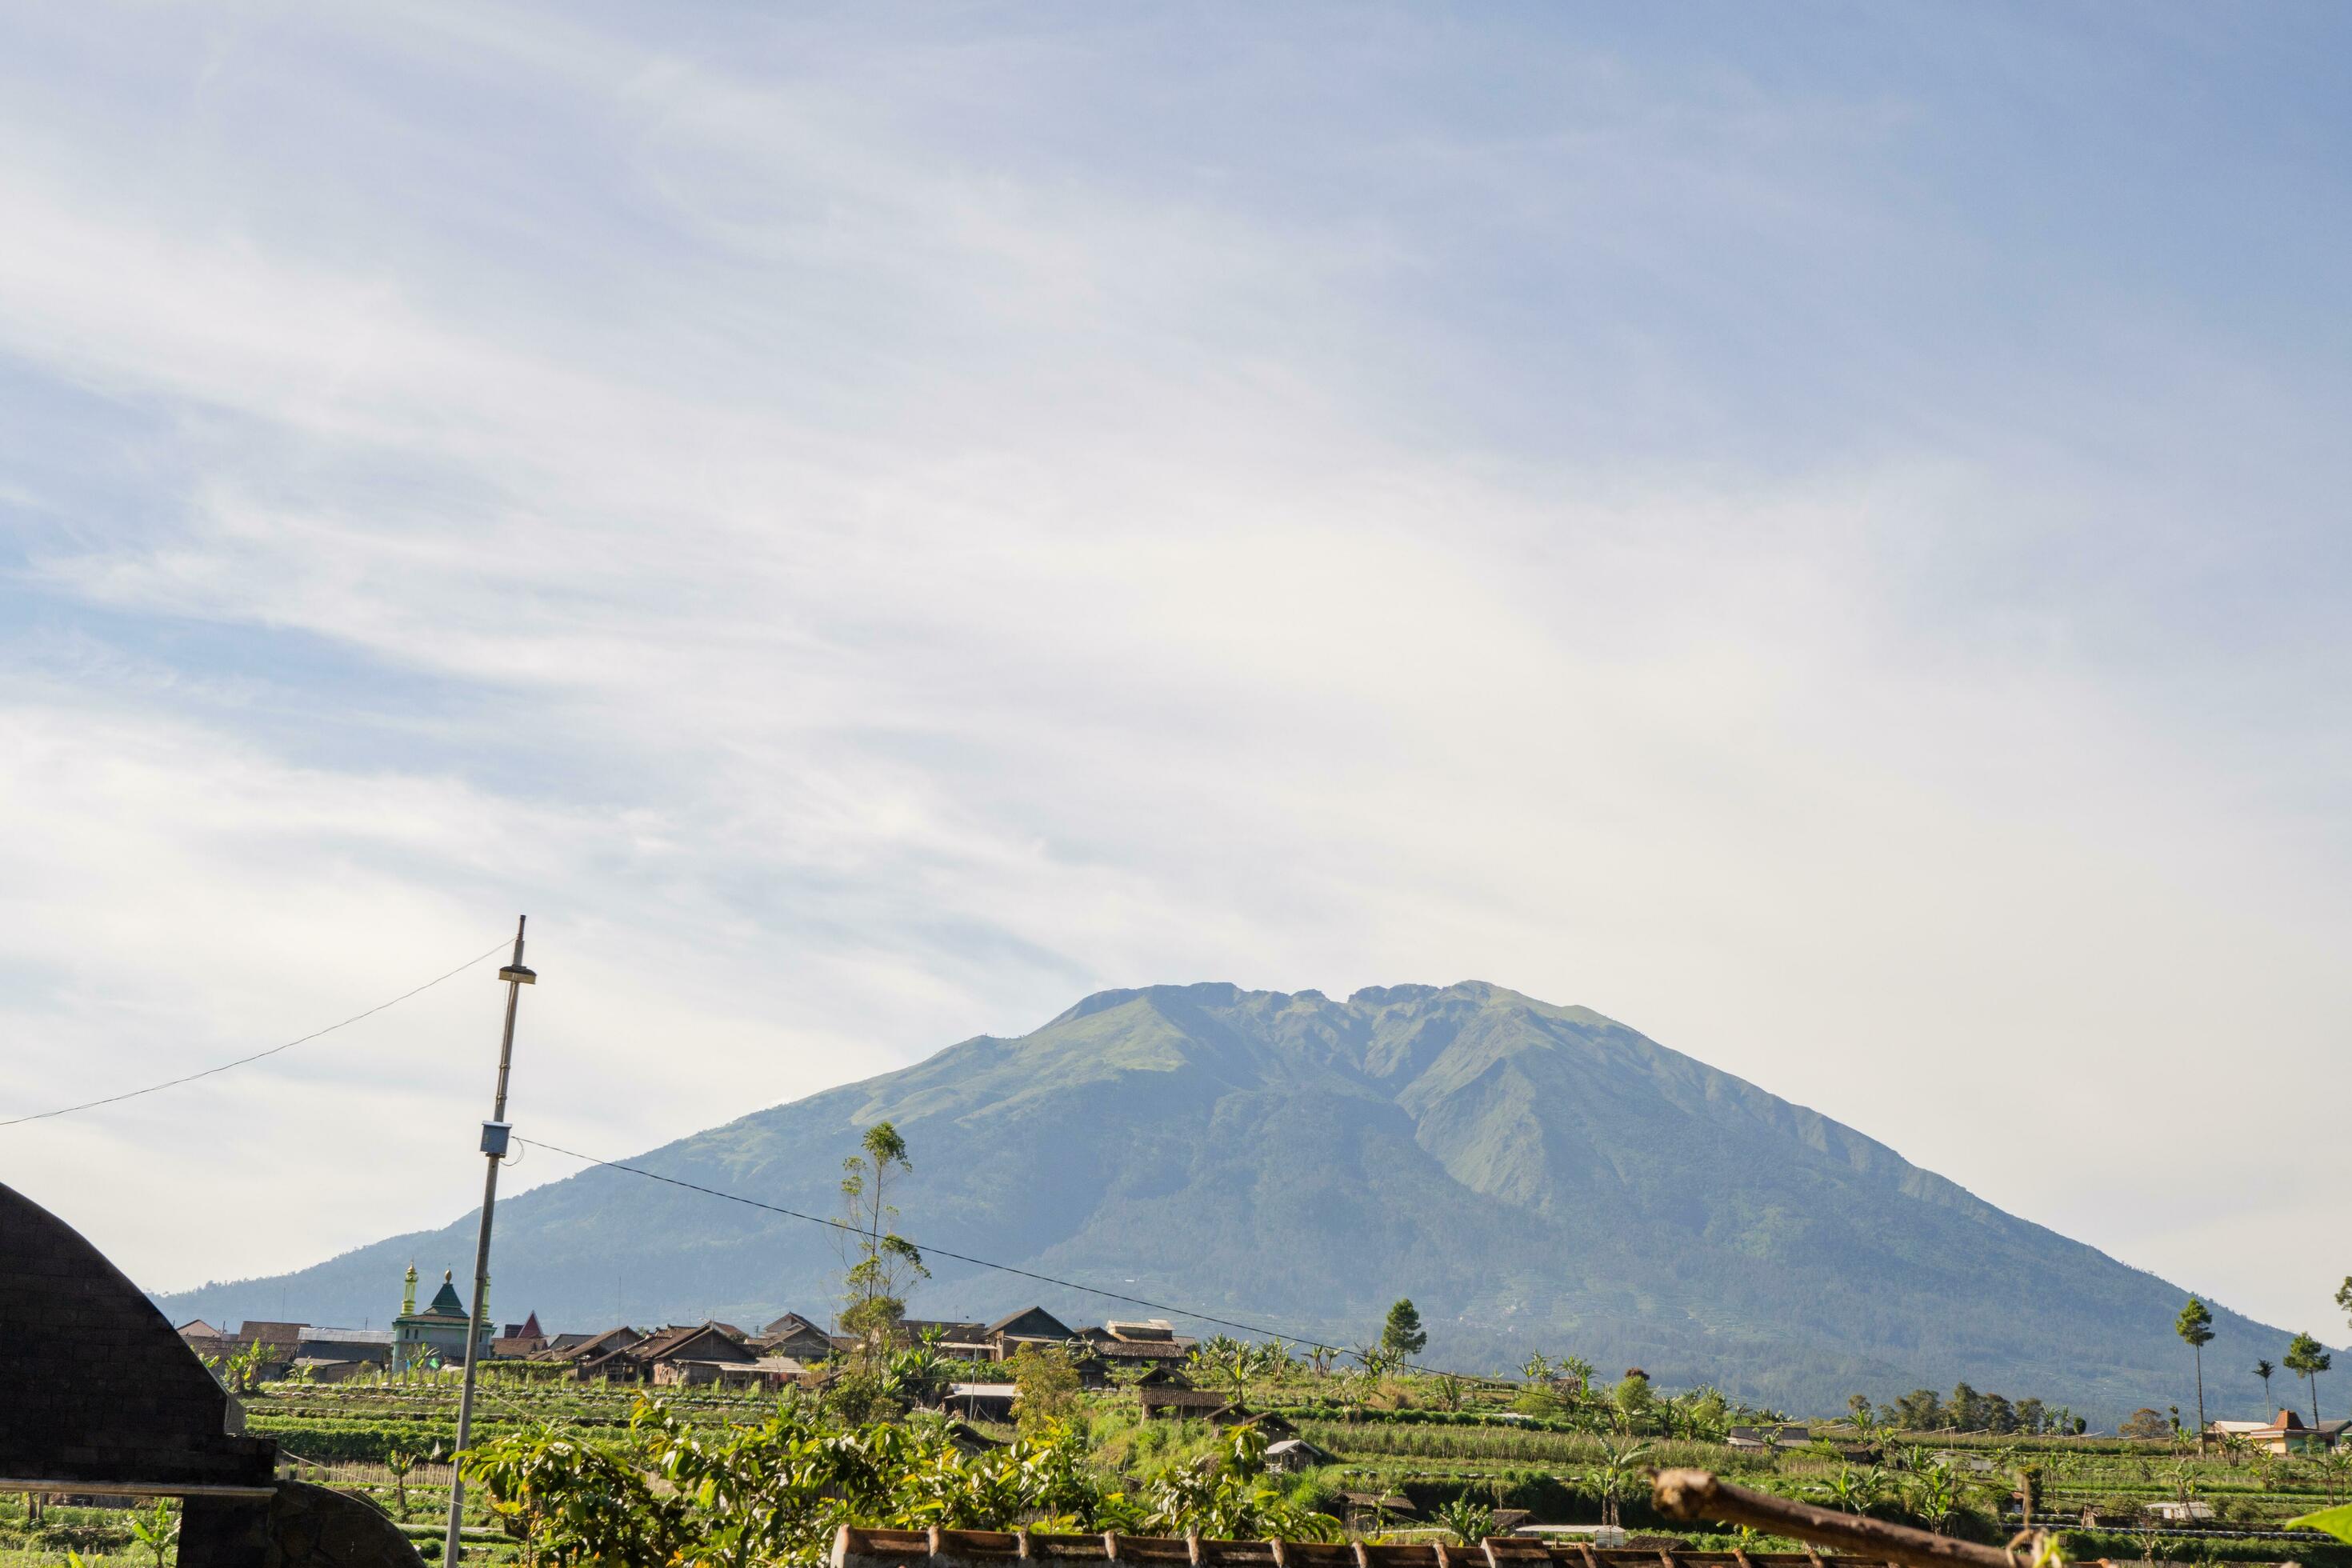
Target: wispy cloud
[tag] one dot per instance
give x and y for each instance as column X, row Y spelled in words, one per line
column 869, row 527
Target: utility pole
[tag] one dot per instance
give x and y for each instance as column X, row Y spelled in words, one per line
column 494, row 1147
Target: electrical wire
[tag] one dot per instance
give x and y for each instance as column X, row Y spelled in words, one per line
column 1195, row 1315
column 241, row 1061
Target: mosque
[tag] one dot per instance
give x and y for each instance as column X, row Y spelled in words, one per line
column 438, row 1333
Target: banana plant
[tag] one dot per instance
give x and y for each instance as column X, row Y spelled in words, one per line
column 1854, row 1491
column 1936, row 1494
column 156, row 1530
column 1468, row 1522
column 399, row 1461
column 1621, row 1464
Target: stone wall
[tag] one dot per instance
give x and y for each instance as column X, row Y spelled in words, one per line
column 100, row 1388
column 302, row 1527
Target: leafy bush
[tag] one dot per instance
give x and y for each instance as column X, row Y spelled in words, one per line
column 778, row 1492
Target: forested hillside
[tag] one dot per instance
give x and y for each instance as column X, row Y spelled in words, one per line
column 1537, row 1177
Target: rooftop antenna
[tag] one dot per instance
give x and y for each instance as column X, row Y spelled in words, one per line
column 494, row 1147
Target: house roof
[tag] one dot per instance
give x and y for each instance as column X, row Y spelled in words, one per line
column 983, row 1391
column 271, row 1333
column 790, row 1323
column 1165, row 1398
column 915, row 1328
column 445, row 1302
column 1146, row 1328
column 582, row 1346
column 197, row 1328
column 316, row 1335
column 1043, row 1326
column 1285, row 1446
column 1139, row 1350
column 690, row 1342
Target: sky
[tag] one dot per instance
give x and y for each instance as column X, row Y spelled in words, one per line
column 1814, row 530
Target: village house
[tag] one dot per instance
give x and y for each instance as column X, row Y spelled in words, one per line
column 2282, row 1433
column 438, row 1332
column 368, row 1347
column 588, row 1351
column 794, row 1336
column 1029, row 1326
column 1294, row 1454
column 981, row 1400
column 1150, row 1343
column 685, row 1355
column 519, row 1341
column 1165, row 1392
column 291, row 1349
column 559, row 1346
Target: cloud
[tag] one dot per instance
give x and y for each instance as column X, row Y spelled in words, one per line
column 862, row 565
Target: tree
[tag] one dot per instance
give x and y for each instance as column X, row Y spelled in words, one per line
column 886, row 1265
column 1631, row 1401
column 1402, row 1336
column 1919, row 1410
column 2262, row 1369
column 1048, row 1385
column 2195, row 1325
column 1619, row 1464
column 2306, row 1358
column 2144, row 1425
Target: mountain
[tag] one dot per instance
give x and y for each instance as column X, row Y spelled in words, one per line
column 1535, row 1177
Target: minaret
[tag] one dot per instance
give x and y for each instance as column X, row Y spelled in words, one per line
column 408, row 1293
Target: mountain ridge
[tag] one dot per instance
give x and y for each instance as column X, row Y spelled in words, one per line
column 1537, row 1176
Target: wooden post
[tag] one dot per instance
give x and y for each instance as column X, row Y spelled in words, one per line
column 1699, row 1495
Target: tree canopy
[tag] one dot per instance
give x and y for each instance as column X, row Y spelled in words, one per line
column 1402, row 1334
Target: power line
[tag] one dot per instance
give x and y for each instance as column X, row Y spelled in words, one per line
column 1195, row 1315
column 241, row 1061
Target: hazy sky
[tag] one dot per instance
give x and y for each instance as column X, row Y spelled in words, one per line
column 1813, row 529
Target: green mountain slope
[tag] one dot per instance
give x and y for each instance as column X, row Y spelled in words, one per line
column 1534, row 1176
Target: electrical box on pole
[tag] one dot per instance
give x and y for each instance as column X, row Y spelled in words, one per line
column 496, row 1134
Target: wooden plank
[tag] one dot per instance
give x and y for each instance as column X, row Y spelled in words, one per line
column 135, row 1489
